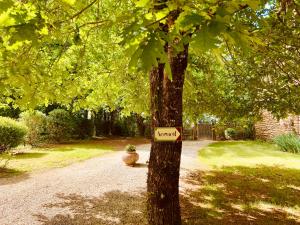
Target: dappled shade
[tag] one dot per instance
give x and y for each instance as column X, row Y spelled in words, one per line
column 6, row 175
column 113, row 207
column 243, row 195
column 29, row 155
column 262, row 195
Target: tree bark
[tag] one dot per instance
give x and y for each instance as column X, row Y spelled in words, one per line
column 112, row 117
column 164, row 164
column 94, row 129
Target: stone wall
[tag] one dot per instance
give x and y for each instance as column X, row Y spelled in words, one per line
column 296, row 120
column 270, row 127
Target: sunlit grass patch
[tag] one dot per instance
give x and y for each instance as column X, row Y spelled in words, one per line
column 247, row 153
column 36, row 159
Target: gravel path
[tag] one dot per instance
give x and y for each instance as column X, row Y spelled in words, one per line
column 103, row 187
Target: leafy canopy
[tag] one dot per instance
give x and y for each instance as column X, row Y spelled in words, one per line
column 86, row 53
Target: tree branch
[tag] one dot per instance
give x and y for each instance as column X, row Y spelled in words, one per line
column 82, row 10
column 94, row 23
column 157, row 21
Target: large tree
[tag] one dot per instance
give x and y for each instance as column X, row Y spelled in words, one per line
column 164, row 48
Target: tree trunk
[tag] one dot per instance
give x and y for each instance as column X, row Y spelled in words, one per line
column 164, row 164
column 94, row 129
column 112, row 117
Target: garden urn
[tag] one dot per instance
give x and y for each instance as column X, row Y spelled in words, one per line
column 131, row 156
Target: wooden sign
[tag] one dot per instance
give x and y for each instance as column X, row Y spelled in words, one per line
column 162, row 134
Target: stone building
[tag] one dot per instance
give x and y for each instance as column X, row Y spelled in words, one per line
column 269, row 127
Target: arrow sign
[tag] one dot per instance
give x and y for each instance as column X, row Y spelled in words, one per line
column 167, row 134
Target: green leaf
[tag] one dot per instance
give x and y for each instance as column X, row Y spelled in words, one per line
column 152, row 51
column 133, row 63
column 70, row 2
column 148, row 53
column 5, row 5
column 142, row 3
column 243, row 40
column 186, row 21
column 204, row 40
column 162, row 14
column 217, row 26
column 218, row 54
column 254, row 4
column 6, row 20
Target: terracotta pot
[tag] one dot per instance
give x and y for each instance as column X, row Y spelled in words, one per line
column 130, row 158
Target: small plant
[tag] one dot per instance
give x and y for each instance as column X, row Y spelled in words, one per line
column 288, row 142
column 12, row 133
column 130, row 148
column 230, row 133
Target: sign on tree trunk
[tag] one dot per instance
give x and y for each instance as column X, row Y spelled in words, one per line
column 167, row 134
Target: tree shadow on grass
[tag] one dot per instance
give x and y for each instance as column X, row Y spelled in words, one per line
column 29, row 155
column 243, row 196
column 229, row 196
column 21, row 155
column 11, row 176
column 6, row 173
column 112, row 208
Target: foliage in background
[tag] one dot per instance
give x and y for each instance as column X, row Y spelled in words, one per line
column 230, row 133
column 12, row 133
column 83, row 128
column 238, row 129
column 9, row 111
column 43, row 128
column 36, row 123
column 115, row 122
column 60, row 125
column 126, row 126
column 288, row 142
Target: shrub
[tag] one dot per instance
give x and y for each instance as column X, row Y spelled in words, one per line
column 12, row 133
column 60, row 125
column 230, row 133
column 249, row 130
column 130, row 148
column 9, row 111
column 125, row 126
column 36, row 123
column 83, row 127
column 288, row 142
column 219, row 131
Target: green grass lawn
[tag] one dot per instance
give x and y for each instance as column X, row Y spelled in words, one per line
column 247, row 153
column 247, row 183
column 37, row 159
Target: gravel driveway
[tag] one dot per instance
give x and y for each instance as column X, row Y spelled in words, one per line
column 97, row 191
